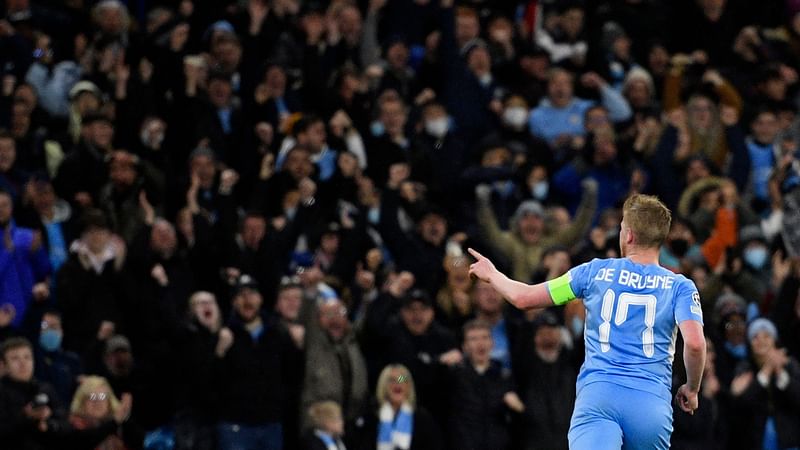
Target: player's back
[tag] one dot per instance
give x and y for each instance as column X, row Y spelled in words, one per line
column 632, row 313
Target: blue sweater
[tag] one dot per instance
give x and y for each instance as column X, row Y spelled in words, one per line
column 20, row 269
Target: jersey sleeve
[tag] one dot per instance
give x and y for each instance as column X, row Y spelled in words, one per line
column 687, row 302
column 571, row 285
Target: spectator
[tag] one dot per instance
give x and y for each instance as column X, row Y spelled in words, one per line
column 12, row 178
column 90, row 287
column 32, row 417
column 526, row 240
column 54, row 365
column 255, row 364
column 96, row 406
column 416, row 341
column 546, row 378
column 23, row 264
column 335, row 369
column 766, row 393
column 489, row 310
column 328, row 427
column 481, row 395
column 558, row 118
column 196, row 399
column 397, row 420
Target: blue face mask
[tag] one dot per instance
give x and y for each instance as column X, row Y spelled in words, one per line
column 50, row 340
column 738, row 351
column 576, row 324
column 756, row 257
column 540, row 190
column 377, row 129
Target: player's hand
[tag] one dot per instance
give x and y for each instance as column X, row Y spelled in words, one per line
column 686, row 399
column 481, row 269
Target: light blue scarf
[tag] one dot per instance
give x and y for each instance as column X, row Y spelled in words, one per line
column 395, row 432
column 329, row 441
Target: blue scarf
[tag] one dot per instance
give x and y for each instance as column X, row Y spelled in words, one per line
column 395, row 432
column 329, row 441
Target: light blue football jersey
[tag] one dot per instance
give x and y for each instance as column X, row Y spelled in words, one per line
column 632, row 316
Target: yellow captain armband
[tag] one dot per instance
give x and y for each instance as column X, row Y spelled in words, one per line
column 560, row 290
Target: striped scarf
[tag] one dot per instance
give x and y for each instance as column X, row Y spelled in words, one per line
column 395, row 432
column 329, row 441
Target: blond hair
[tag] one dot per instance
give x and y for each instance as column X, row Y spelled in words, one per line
column 648, row 218
column 383, row 384
column 321, row 412
column 88, row 385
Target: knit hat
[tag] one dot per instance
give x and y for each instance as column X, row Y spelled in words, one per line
column 759, row 325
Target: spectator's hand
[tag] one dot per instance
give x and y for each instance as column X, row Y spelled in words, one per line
column 677, row 118
column 122, row 73
column 699, row 57
column 7, row 313
column 120, row 251
column 227, row 181
column 145, row 70
column 9, row 81
column 364, row 278
column 148, row 212
column 789, row 74
column 83, row 199
column 106, row 330
column 483, row 192
column 160, row 275
column 730, row 195
column 781, row 268
column 257, row 10
column 482, row 269
column 712, row 76
column 425, row 96
column 451, row 358
column 178, row 37
column 41, row 291
column 412, row 191
column 376, row 5
column 589, row 185
column 123, row 411
column 191, row 194
column 729, row 116
column 592, row 80
column 398, row 284
column 6, row 29
column 267, row 166
column 307, row 189
column 298, row 334
column 778, row 359
column 39, row 414
column 373, row 71
column 710, row 386
column 224, row 342
column 686, row 399
column 279, row 223
column 398, row 172
column 741, row 382
column 513, row 402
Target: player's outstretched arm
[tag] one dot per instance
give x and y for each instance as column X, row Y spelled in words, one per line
column 521, row 295
column 694, row 358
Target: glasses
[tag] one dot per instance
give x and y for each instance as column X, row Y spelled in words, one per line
column 734, row 324
column 97, row 397
column 400, row 379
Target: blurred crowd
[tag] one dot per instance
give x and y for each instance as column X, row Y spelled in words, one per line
column 241, row 224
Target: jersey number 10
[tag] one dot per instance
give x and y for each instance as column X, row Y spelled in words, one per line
column 625, row 301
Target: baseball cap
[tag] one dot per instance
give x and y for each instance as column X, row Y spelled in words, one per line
column 245, row 281
column 118, row 343
column 417, row 295
column 84, row 86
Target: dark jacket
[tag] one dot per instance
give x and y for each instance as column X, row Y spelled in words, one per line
column 479, row 419
column 252, row 375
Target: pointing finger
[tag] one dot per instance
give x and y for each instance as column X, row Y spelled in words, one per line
column 475, row 254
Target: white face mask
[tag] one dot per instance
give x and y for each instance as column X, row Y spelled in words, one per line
column 437, row 127
column 515, row 116
column 540, row 190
